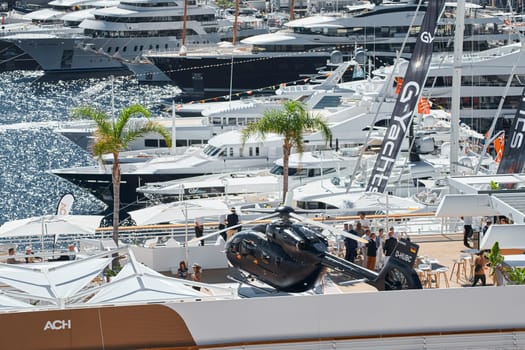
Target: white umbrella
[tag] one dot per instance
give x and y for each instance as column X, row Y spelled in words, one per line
column 51, row 225
column 178, row 211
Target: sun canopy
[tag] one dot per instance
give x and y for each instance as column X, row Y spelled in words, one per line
column 6, row 302
column 508, row 237
column 178, row 211
column 51, row 225
column 52, row 281
column 136, row 282
column 454, row 205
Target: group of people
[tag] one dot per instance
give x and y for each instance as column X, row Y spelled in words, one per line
column 468, row 230
column 31, row 258
column 184, row 273
column 378, row 246
column 225, row 221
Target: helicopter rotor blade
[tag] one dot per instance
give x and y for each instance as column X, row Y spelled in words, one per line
column 329, row 228
column 215, row 233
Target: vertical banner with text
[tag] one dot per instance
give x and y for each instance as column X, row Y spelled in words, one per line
column 407, row 99
column 513, row 157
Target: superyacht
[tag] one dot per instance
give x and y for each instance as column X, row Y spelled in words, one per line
column 122, row 33
column 308, row 43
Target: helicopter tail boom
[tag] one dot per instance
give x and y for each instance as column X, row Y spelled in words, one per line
column 398, row 273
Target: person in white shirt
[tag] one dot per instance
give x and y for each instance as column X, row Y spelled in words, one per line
column 467, row 230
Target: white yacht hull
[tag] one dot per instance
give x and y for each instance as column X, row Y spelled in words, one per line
column 81, row 54
column 459, row 318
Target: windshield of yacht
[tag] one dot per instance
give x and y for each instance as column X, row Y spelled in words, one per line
column 278, row 170
column 213, row 151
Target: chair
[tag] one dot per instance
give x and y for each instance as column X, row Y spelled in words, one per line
column 425, row 268
column 459, row 267
column 441, row 272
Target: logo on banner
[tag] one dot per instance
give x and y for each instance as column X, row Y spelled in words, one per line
column 427, row 37
column 57, row 325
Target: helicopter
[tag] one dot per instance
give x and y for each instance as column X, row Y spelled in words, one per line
column 291, row 256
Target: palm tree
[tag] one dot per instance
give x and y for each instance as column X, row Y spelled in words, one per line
column 291, row 122
column 114, row 136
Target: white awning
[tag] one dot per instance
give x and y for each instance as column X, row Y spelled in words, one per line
column 455, row 205
column 508, row 236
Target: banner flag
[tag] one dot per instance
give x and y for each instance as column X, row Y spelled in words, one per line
column 65, row 204
column 407, row 99
column 513, row 157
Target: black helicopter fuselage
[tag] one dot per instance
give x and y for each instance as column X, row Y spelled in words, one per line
column 286, row 257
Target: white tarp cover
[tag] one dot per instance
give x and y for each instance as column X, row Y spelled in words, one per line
column 508, row 236
column 52, row 281
column 136, row 282
column 51, row 225
column 178, row 211
column 455, row 205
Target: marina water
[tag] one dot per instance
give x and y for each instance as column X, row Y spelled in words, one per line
column 29, row 111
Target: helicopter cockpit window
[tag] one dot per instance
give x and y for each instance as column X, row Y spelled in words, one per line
column 247, row 248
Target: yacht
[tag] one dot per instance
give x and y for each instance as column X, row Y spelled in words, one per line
column 121, row 33
column 223, row 153
column 483, row 83
column 302, row 168
column 60, row 16
column 267, row 60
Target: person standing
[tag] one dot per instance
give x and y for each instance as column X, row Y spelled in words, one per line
column 390, row 244
column 232, row 220
column 479, row 269
column 222, row 225
column 350, row 244
column 199, row 230
column 371, row 252
column 365, row 223
column 467, row 230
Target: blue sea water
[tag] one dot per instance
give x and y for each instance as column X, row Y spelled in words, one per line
column 30, row 109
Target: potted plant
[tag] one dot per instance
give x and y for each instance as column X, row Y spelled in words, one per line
column 110, row 273
column 495, row 260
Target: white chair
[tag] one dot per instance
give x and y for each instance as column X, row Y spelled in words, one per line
column 151, row 243
column 172, row 242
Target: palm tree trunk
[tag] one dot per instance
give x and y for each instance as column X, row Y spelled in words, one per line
column 116, row 196
column 287, row 148
column 116, row 205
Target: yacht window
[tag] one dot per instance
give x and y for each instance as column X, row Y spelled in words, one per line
column 166, row 46
column 109, row 49
column 222, row 154
column 250, row 151
column 141, row 48
column 135, row 48
column 299, row 172
column 125, row 48
column 231, row 151
column 276, row 170
column 257, row 151
column 157, row 47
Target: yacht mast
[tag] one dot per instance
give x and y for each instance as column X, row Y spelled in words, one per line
column 456, row 87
